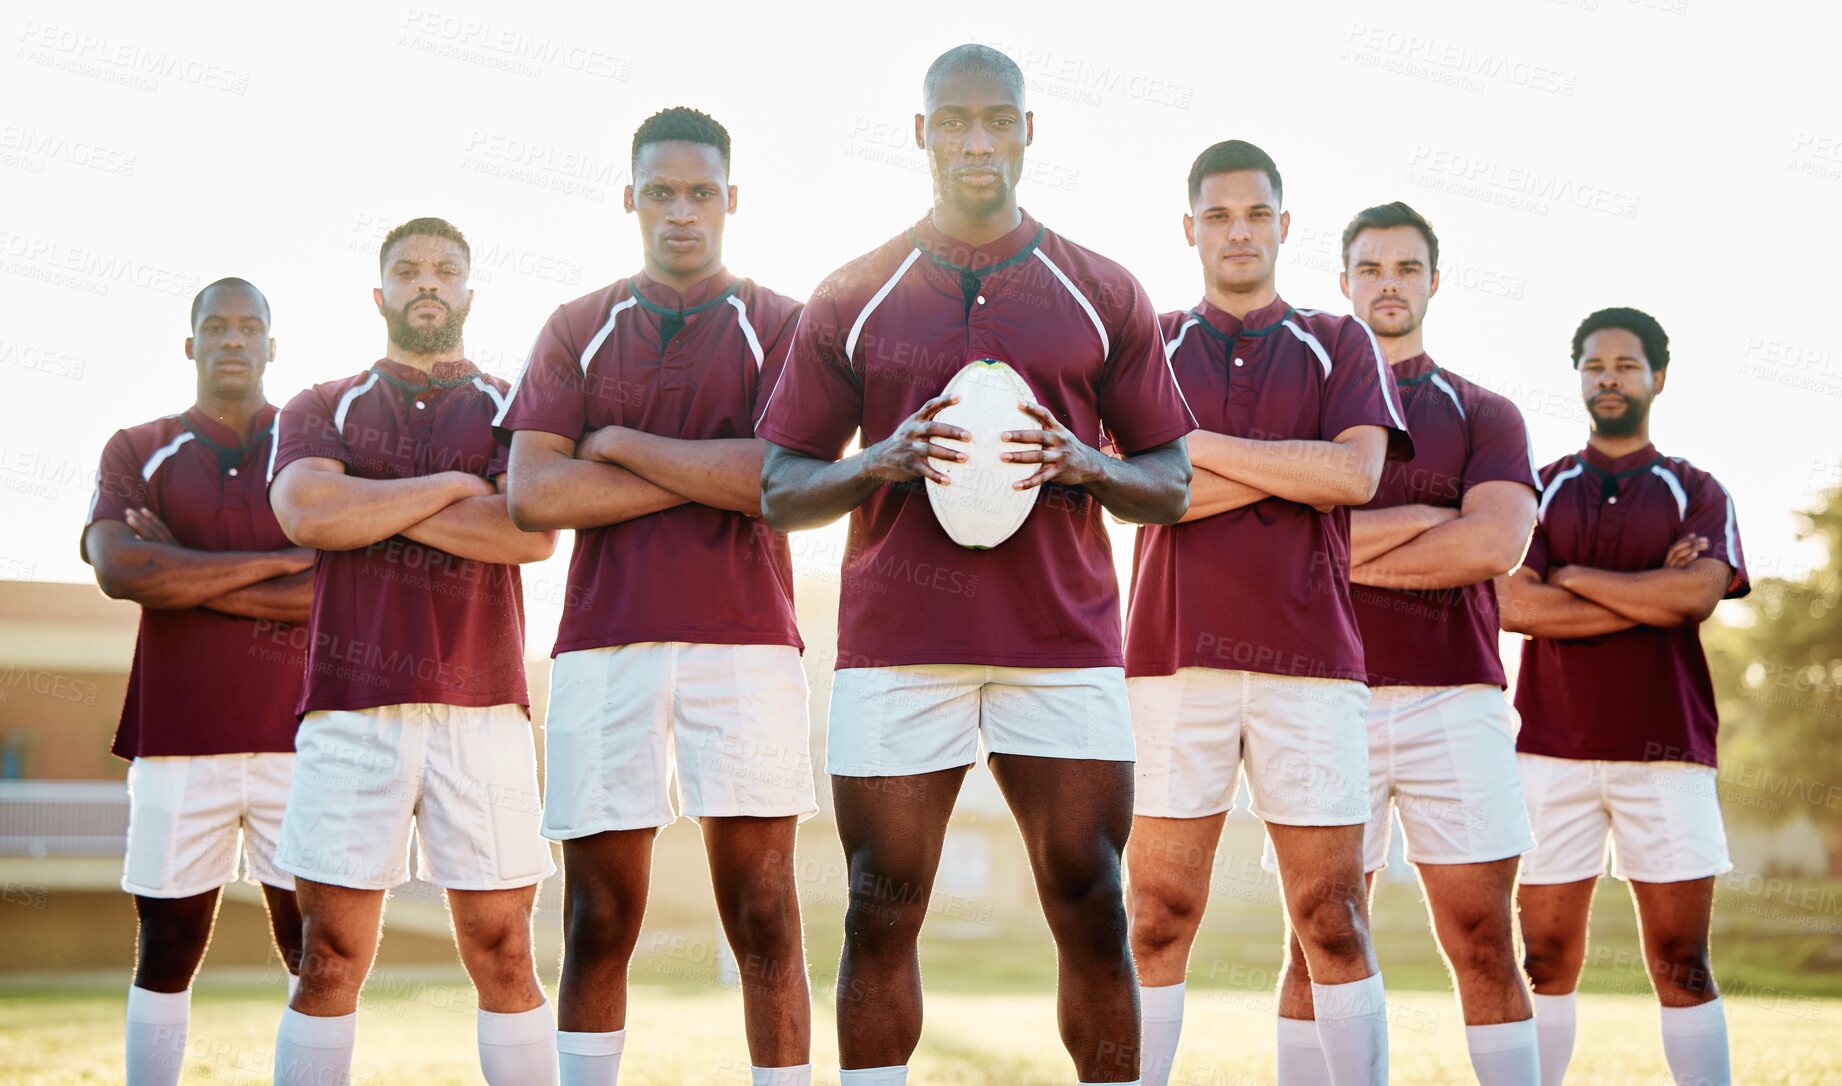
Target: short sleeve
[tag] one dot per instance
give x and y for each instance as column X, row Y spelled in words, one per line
column 304, row 429
column 550, row 394
column 1141, row 406
column 119, row 486
column 774, row 360
column 1537, row 556
column 1710, row 514
column 1500, row 449
column 816, row 404
column 1360, row 390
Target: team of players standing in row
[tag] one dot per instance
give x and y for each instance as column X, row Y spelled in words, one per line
column 1323, row 512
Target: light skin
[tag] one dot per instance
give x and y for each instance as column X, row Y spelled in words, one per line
column 141, row 560
column 1389, row 282
column 1578, row 601
column 465, row 515
column 681, row 198
column 1074, row 814
column 1237, row 226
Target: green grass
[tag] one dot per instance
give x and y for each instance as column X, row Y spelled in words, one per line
column 680, row 1036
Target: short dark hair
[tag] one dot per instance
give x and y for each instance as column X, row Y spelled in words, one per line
column 429, row 227
column 974, row 58
column 682, row 123
column 228, row 282
column 1232, row 156
column 1635, row 321
column 1383, row 216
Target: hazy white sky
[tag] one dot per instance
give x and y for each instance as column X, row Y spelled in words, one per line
column 1683, row 156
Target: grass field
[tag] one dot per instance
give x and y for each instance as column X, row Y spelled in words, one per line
column 681, row 1036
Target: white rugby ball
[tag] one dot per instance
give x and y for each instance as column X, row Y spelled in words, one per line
column 981, row 508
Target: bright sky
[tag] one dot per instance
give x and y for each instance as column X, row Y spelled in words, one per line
column 1668, row 154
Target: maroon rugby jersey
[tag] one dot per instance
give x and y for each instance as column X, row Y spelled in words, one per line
column 1463, row 435
column 398, row 622
column 638, row 354
column 1642, row 694
column 203, row 682
column 1264, row 587
column 883, row 335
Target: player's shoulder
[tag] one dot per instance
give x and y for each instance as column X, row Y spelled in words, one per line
column 582, row 317
column 1481, row 404
column 1686, row 470
column 1330, row 326
column 151, row 434
column 1107, row 283
column 765, row 305
column 491, row 381
column 1566, row 467
column 854, row 283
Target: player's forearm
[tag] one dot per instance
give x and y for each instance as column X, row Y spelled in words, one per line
column 1375, row 532
column 569, row 493
column 1656, row 597
column 800, row 492
column 1315, row 473
column 166, row 577
column 724, row 473
column 1455, row 551
column 334, row 512
column 280, row 599
column 481, row 529
column 1150, row 488
column 1542, row 610
column 1211, row 494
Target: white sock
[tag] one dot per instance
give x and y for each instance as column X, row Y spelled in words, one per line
column 589, row 1059
column 1162, row 1010
column 1695, row 1044
column 1505, row 1054
column 781, row 1076
column 157, row 1024
column 1554, row 1025
column 1134, row 1082
column 313, row 1051
column 519, row 1047
column 1301, row 1054
column 875, row 1076
column 1353, row 1028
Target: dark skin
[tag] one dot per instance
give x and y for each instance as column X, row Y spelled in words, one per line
column 1579, row 601
column 141, row 560
column 681, row 197
column 1074, row 814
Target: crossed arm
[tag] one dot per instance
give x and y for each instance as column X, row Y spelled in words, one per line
column 1424, row 547
column 140, row 560
column 616, row 474
column 1580, row 601
column 320, row 506
column 1231, row 472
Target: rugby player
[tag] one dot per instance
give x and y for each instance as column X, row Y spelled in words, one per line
column 1632, row 551
column 633, row 423
column 1241, row 638
column 1424, row 552
column 940, row 647
column 180, row 525
column 415, row 709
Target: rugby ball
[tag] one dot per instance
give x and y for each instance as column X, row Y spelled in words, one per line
column 981, row 508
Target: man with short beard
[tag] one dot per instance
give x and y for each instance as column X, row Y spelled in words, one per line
column 1442, row 737
column 415, row 710
column 1632, row 551
column 1028, row 658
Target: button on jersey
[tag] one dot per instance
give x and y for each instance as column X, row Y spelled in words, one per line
column 1642, row 694
column 881, row 337
column 638, row 355
column 399, row 622
column 1264, row 587
column 203, row 682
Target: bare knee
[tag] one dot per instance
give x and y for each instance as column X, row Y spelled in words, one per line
column 1333, row 926
column 885, row 912
column 763, row 916
column 1165, row 917
column 1681, row 963
column 1552, row 962
column 1482, row 946
column 600, row 925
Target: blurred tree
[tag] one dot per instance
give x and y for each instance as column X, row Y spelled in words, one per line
column 1777, row 663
